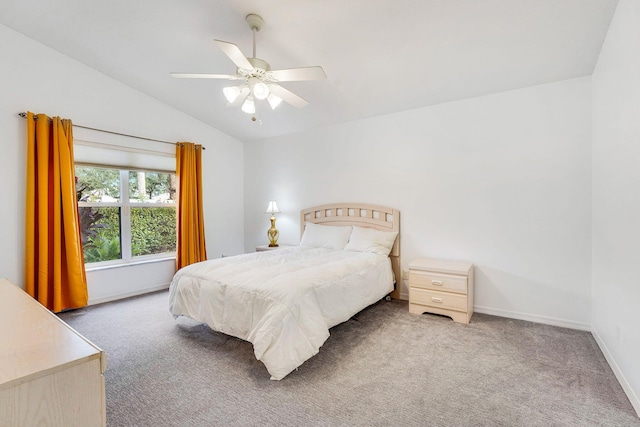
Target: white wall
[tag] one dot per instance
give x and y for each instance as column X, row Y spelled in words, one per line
column 36, row 78
column 616, row 200
column 502, row 181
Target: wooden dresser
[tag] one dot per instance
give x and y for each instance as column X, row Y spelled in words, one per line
column 49, row 374
column 441, row 287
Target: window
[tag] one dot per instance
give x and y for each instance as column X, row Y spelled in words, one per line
column 126, row 215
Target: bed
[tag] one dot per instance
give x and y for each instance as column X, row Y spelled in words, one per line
column 285, row 301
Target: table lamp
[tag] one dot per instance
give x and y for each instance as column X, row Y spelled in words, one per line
column 272, row 232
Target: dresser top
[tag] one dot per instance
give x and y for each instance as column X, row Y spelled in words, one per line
column 441, row 266
column 34, row 340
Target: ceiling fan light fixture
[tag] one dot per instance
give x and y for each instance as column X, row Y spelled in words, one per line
column 258, row 88
column 249, row 106
column 231, row 93
column 274, row 101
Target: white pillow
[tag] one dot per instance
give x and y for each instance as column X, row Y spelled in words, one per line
column 325, row 236
column 369, row 240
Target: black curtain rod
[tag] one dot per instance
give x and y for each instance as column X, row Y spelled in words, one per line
column 24, row 116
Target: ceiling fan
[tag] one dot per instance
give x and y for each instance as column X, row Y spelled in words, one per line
column 258, row 80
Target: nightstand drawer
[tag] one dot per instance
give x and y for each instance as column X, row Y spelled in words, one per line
column 438, row 281
column 438, row 299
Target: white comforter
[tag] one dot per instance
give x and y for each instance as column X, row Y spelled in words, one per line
column 282, row 301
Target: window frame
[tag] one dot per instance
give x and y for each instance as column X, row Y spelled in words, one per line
column 125, row 205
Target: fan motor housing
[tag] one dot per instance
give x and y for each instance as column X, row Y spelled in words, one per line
column 259, row 64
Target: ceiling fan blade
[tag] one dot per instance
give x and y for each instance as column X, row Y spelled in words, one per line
column 288, row 96
column 235, row 54
column 299, row 74
column 204, row 76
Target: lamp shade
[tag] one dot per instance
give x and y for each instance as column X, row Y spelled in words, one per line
column 272, row 208
column 274, row 101
column 249, row 106
column 259, row 89
column 231, row 93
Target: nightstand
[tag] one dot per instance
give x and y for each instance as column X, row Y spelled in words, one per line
column 441, row 287
column 272, row 248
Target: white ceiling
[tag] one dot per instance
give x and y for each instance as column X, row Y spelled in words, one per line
column 380, row 56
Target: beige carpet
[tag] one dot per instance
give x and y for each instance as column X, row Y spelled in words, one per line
column 384, row 367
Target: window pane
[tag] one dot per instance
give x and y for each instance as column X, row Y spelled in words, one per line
column 100, row 232
column 152, row 187
column 97, row 184
column 153, row 230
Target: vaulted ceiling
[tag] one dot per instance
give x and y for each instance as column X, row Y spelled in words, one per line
column 380, row 56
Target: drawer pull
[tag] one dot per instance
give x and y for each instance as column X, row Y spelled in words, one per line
column 434, row 299
column 436, row 282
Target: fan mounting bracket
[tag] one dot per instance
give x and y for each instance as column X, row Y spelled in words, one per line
column 255, row 21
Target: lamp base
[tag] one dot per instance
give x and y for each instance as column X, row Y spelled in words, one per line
column 273, row 233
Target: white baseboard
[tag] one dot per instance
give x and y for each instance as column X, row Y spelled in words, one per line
column 633, row 398
column 115, row 297
column 533, row 318
column 525, row 316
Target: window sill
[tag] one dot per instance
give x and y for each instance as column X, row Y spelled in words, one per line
column 129, row 264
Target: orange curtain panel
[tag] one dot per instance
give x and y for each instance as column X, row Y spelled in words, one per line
column 190, row 217
column 54, row 264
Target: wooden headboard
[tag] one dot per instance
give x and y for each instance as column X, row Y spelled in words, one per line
column 362, row 215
